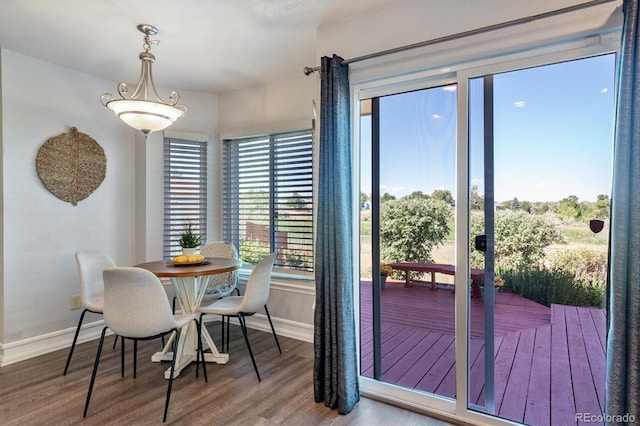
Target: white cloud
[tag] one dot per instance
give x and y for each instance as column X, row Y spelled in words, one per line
column 519, row 104
column 451, row 88
column 436, row 116
column 605, row 90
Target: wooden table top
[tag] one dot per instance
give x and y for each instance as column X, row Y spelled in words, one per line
column 218, row 265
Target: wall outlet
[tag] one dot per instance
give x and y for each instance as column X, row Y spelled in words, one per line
column 75, row 302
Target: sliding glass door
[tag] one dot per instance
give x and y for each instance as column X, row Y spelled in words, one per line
column 407, row 224
column 484, row 241
column 540, row 169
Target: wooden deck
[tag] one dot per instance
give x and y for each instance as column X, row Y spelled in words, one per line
column 549, row 362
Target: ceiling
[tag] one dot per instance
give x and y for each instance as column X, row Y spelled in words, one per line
column 205, row 45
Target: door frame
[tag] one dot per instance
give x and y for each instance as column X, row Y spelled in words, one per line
column 424, row 78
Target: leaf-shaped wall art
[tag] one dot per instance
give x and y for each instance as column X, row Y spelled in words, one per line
column 71, row 165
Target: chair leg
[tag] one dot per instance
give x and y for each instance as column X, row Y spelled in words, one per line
column 135, row 357
column 115, row 342
column 243, row 325
column 222, row 334
column 273, row 330
column 173, row 365
column 95, row 370
column 228, row 319
column 122, row 357
column 200, row 351
column 73, row 345
column 199, row 343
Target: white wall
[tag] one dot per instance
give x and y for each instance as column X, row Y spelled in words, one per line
column 268, row 106
column 1, row 215
column 41, row 232
column 412, row 21
column 123, row 217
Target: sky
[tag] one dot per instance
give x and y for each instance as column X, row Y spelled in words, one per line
column 553, row 135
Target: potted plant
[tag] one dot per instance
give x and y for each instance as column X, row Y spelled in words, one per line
column 385, row 271
column 189, row 240
column 498, row 282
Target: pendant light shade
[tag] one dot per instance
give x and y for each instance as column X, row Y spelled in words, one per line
column 137, row 110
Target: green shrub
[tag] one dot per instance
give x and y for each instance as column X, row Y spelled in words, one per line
column 253, row 251
column 585, row 265
column 520, row 238
column 297, row 259
column 411, row 227
column 546, row 286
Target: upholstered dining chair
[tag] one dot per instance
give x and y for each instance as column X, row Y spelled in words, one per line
column 254, row 298
column 218, row 285
column 136, row 307
column 222, row 285
column 90, row 263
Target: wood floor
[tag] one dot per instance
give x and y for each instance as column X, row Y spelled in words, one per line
column 34, row 392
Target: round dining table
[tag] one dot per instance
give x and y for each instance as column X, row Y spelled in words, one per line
column 190, row 289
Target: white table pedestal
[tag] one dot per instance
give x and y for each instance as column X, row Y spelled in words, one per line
column 189, row 292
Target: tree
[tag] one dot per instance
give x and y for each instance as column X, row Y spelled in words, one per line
column 364, row 198
column 476, row 202
column 297, row 201
column 515, row 204
column 520, row 237
column 418, row 194
column 411, row 227
column 443, row 195
column 600, row 209
column 570, row 208
column 386, row 197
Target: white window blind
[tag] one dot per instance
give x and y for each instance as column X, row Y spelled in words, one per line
column 268, row 198
column 185, row 191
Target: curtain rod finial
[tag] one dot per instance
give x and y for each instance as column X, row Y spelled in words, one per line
column 309, row 70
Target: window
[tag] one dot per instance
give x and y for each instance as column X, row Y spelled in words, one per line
column 268, row 198
column 185, row 190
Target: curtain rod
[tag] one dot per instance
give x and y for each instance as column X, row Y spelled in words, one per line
column 311, row 70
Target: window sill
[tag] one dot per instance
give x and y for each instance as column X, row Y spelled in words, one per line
column 285, row 282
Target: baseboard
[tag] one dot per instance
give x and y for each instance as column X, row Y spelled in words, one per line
column 32, row 347
column 39, row 345
column 285, row 328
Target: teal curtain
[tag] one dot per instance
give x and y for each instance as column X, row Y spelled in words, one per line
column 335, row 372
column 623, row 340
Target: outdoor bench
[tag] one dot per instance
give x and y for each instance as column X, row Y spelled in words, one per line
column 438, row 268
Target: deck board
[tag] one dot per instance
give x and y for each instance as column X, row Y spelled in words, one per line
column 442, row 365
column 595, row 351
column 585, row 395
column 410, row 358
column 503, row 364
column 542, row 356
column 425, row 363
column 538, row 409
column 515, row 396
column 562, row 402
